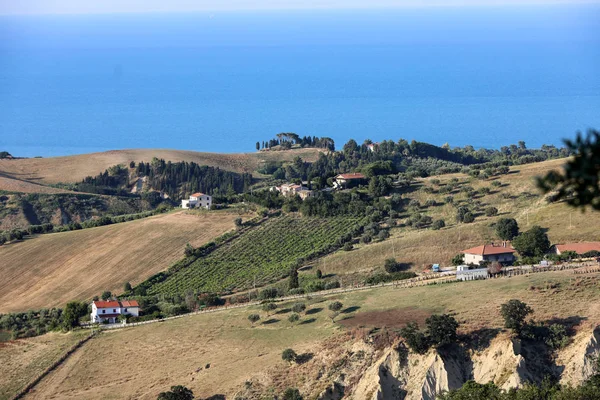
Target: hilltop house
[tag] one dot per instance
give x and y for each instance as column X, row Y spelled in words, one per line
column 579, row 248
column 348, row 180
column 292, row 189
column 503, row 254
column 372, row 146
column 197, row 200
column 109, row 311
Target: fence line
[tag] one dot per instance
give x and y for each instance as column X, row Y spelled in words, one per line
column 423, row 280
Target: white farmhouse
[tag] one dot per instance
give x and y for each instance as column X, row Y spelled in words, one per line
column 109, row 311
column 197, row 200
column 503, row 254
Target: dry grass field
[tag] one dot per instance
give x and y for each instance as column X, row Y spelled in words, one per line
column 424, row 247
column 15, row 185
column 74, row 168
column 22, row 360
column 52, row 269
column 149, row 359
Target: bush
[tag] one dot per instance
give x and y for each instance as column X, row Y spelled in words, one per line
column 468, row 218
column 253, row 318
column 177, row 393
column 269, row 307
column 414, row 338
column 458, row 259
column 293, row 318
column 491, row 211
column 292, row 394
column 268, row 293
column 507, row 228
column 296, row 291
column 332, row 285
column 289, row 355
column 299, row 308
column 366, row 238
column 319, row 273
column 532, row 243
column 441, row 329
column 514, row 313
column 438, row 224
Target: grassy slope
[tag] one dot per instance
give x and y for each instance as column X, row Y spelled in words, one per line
column 75, row 168
column 52, row 269
column 423, row 247
column 22, row 360
column 152, row 358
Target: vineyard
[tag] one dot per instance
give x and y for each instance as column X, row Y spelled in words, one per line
column 261, row 255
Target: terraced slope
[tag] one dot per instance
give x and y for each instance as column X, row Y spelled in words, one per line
column 260, row 255
column 52, row 269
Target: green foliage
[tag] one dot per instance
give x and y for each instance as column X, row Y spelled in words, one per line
column 414, row 338
column 127, row 287
column 319, row 274
column 299, row 308
column 514, row 313
column 31, row 323
column 491, row 211
column 293, row 279
column 73, row 311
column 507, row 228
column 441, row 329
column 106, row 295
column 292, row 394
column 263, row 254
column 177, row 393
column 458, row 259
column 335, row 309
column 532, row 243
column 438, row 224
column 289, row 355
column 378, row 278
column 579, row 183
column 293, row 318
column 472, row 390
column 269, row 307
column 253, row 318
column 391, row 266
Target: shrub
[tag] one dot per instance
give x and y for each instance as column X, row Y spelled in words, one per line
column 299, row 308
column 106, row 295
column 438, row 224
column 289, row 355
column 319, row 273
column 296, row 291
column 414, row 338
column 292, row 394
column 348, row 247
column 507, row 228
column 382, row 235
column 441, row 329
column 268, row 293
column 468, row 218
column 366, row 238
column 253, row 318
column 514, row 313
column 332, row 285
column 177, row 393
column 496, row 184
column 491, row 211
column 294, row 318
column 458, row 259
column 335, row 309
column 269, row 307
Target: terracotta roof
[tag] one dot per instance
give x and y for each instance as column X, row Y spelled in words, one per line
column 579, row 248
column 353, row 175
column 197, row 194
column 489, row 249
column 107, row 304
column 130, row 303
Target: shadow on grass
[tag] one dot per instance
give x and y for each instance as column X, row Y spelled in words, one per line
column 314, row 311
column 350, row 309
column 271, row 321
column 284, row 311
column 307, row 321
column 303, row 358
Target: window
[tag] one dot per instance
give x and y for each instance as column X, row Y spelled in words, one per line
column 114, row 310
column 125, row 310
column 103, row 311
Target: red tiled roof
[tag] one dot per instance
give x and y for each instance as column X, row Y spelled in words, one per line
column 353, row 175
column 107, row 304
column 579, row 248
column 197, row 194
column 130, row 303
column 489, row 249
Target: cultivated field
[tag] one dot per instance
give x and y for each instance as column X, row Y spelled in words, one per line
column 217, row 353
column 16, row 185
column 74, row 168
column 21, row 361
column 517, row 198
column 52, row 269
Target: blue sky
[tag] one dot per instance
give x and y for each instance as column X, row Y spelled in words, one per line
column 140, row 6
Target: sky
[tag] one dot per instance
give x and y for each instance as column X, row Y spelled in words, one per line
column 10, row 7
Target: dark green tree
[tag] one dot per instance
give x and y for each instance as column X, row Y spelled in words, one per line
column 414, row 338
column 293, row 318
column 127, row 287
column 293, row 282
column 532, row 243
column 458, row 259
column 292, row 394
column 299, row 308
column 177, row 393
column 514, row 313
column 507, row 228
column 74, row 310
column 269, row 307
column 335, row 309
column 253, row 318
column 289, row 355
column 472, row 390
column 441, row 329
column 106, row 295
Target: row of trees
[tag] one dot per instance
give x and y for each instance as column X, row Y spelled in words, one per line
column 287, row 139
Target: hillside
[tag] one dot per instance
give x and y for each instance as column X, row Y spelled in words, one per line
column 221, row 353
column 69, row 169
column 517, row 197
column 52, row 269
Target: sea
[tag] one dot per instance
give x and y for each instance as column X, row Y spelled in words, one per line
column 485, row 76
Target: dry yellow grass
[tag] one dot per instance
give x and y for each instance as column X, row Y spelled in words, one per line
column 52, row 269
column 149, row 359
column 75, row 168
column 15, row 185
column 21, row 361
column 424, row 247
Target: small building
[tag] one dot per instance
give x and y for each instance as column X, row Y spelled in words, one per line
column 292, row 189
column 197, row 200
column 503, row 253
column 349, row 180
column 372, row 146
column 579, row 248
column 110, row 310
column 305, row 194
column 466, row 274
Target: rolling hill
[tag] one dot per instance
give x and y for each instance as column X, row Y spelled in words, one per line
column 52, row 269
column 70, row 169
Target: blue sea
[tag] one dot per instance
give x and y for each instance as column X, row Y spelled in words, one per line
column 484, row 76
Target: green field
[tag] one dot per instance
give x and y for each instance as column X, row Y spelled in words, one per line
column 259, row 256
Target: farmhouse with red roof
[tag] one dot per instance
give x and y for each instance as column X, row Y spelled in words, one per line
column 110, row 310
column 197, row 200
column 502, row 253
column 579, row 248
column 349, row 179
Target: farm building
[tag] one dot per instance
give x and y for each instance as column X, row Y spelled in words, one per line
column 291, row 189
column 579, row 248
column 503, row 254
column 463, row 273
column 109, row 311
column 348, row 180
column 197, row 200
